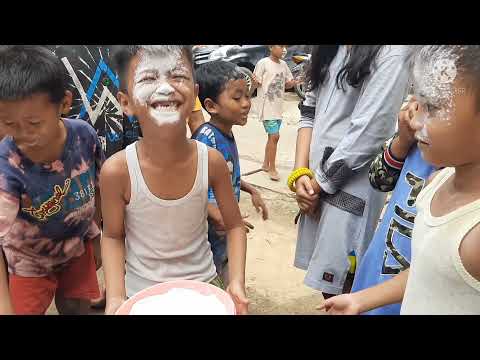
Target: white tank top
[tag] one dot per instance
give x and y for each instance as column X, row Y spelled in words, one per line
column 166, row 239
column 438, row 283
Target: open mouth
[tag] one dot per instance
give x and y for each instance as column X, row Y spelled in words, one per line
column 164, row 105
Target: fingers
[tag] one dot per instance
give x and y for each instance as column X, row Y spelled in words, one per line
column 264, row 211
column 240, row 300
column 248, row 225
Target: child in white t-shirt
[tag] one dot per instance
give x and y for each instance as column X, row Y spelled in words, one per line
column 272, row 76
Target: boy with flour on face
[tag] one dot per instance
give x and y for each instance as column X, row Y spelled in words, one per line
column 444, row 273
column 155, row 223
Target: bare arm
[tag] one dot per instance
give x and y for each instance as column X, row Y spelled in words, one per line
column 5, row 303
column 389, row 292
column 219, row 179
column 9, row 206
column 114, row 185
column 257, row 200
column 305, row 128
column 302, row 151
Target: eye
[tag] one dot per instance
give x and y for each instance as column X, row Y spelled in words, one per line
column 147, row 79
column 431, row 108
column 180, row 76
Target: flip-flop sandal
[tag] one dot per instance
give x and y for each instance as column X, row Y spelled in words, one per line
column 274, row 177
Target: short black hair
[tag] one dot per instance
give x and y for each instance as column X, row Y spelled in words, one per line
column 123, row 54
column 212, row 79
column 464, row 58
column 26, row 70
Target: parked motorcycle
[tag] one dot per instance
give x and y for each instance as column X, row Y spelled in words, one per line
column 302, row 61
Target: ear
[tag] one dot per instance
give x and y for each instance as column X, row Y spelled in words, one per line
column 210, row 106
column 196, row 91
column 125, row 103
column 66, row 104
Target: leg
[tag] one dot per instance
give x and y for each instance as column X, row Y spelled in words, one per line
column 30, row 295
column 72, row 306
column 272, row 154
column 78, row 284
column 266, row 161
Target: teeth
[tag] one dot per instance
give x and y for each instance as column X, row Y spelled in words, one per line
column 165, row 107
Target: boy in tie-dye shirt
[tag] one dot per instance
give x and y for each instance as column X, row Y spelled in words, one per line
column 49, row 169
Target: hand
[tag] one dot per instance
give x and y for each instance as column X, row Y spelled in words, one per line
column 218, row 223
column 341, row 305
column 236, row 289
column 306, row 197
column 113, row 304
column 259, row 205
column 255, row 81
column 406, row 133
column 248, row 226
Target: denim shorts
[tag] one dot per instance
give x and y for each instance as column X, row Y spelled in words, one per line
column 272, row 126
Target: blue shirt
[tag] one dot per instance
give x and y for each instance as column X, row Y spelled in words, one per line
column 225, row 143
column 390, row 249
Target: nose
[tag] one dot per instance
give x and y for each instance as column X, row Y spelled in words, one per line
column 246, row 103
column 164, row 89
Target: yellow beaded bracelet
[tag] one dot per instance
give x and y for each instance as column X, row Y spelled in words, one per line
column 297, row 174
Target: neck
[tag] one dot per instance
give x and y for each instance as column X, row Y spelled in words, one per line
column 51, row 152
column 225, row 128
column 464, row 179
column 165, row 148
column 274, row 58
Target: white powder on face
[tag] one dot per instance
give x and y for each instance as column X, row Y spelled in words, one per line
column 151, row 80
column 434, row 74
column 179, row 302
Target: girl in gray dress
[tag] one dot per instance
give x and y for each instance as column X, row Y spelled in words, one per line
column 355, row 94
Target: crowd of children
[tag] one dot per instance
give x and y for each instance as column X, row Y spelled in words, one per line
column 164, row 206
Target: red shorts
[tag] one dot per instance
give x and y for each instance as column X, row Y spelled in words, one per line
column 78, row 280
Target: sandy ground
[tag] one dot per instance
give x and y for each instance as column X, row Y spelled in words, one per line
column 274, row 286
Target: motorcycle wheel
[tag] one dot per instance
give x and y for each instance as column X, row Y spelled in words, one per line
column 299, row 90
column 248, row 76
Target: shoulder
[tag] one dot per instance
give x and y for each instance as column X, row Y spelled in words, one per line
column 469, row 251
column 5, row 147
column 262, row 62
column 10, row 159
column 115, row 168
column 394, row 53
column 81, row 127
column 216, row 161
column 205, row 134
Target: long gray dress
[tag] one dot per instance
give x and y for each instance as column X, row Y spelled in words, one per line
column 349, row 128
